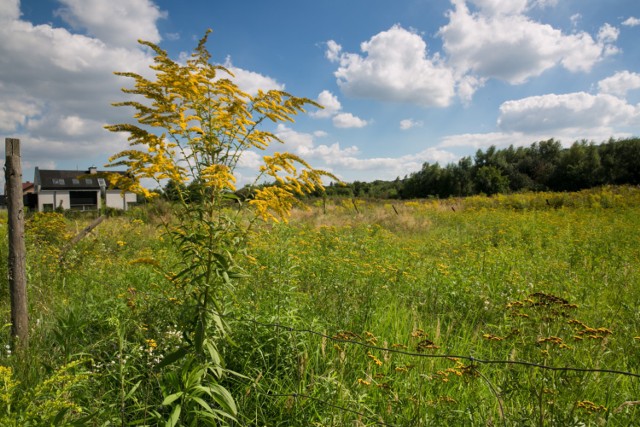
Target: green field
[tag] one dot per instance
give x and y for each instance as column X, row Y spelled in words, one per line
column 354, row 313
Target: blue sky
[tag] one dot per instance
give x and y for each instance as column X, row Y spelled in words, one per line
column 404, row 82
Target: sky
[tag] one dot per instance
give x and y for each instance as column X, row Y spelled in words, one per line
column 403, row 82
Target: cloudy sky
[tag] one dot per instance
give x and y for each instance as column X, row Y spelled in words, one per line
column 404, row 82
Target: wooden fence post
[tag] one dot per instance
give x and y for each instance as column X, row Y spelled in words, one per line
column 17, row 250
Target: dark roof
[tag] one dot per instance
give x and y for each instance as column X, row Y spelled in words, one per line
column 71, row 180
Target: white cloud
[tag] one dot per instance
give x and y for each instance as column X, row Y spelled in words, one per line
column 575, row 19
column 394, row 67
column 483, row 140
column 608, row 34
column 348, row 120
column 114, row 22
column 250, row 81
column 250, row 160
column 15, row 112
column 578, row 110
column 631, row 22
column 64, row 75
column 567, row 136
column 349, row 160
column 620, row 83
column 333, row 51
column 501, row 7
column 9, row 10
column 467, row 86
column 330, row 103
column 407, row 124
column 543, row 3
column 501, row 42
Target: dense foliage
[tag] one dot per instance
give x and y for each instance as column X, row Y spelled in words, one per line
column 544, row 166
column 548, row 278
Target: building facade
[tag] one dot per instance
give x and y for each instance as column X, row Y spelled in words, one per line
column 78, row 190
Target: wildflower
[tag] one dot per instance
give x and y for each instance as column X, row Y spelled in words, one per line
column 151, row 345
column 590, row 407
column 375, row 359
column 492, row 337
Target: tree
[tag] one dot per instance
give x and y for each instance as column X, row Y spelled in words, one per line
column 489, row 180
column 194, row 125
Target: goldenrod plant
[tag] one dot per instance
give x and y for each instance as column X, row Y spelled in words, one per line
column 194, row 124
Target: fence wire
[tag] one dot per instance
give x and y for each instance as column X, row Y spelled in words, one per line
column 470, row 358
column 474, row 364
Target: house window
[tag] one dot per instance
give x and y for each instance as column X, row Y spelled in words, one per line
column 75, row 181
column 89, row 181
column 101, row 182
column 58, row 181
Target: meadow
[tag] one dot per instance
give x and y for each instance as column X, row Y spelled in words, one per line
column 512, row 310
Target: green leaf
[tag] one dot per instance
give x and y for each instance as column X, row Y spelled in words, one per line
column 202, row 403
column 172, row 398
column 60, row 416
column 133, row 390
column 173, row 357
column 174, row 417
column 223, row 398
column 213, row 352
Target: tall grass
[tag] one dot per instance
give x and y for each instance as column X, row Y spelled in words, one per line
column 509, row 278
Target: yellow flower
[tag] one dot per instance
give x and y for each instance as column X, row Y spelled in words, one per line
column 218, row 177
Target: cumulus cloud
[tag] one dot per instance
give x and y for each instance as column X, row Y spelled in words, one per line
column 15, row 112
column 61, row 92
column 620, row 83
column 350, row 161
column 484, row 140
column 568, row 111
column 608, row 34
column 250, row 81
column 9, row 10
column 575, row 19
column 631, row 22
column 500, row 41
column 116, row 22
column 330, row 103
column 501, row 7
column 348, row 120
column 407, row 124
column 333, row 51
column 58, row 97
column 394, row 66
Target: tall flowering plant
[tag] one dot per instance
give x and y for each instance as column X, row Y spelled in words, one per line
column 194, row 124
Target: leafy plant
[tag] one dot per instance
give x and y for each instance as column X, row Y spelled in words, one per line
column 194, row 128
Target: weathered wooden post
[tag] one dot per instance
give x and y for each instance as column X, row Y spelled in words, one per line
column 17, row 250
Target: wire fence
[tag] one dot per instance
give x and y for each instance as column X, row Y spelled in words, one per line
column 470, row 358
column 474, row 363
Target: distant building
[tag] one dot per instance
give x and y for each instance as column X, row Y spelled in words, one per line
column 77, row 190
column 28, row 188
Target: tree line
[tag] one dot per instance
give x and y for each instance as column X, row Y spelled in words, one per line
column 543, row 166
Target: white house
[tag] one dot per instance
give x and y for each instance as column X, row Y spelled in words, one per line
column 78, row 190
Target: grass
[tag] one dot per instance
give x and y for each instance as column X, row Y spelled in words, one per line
column 551, row 279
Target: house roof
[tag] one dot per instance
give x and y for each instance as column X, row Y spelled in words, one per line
column 71, row 180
